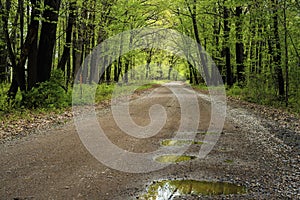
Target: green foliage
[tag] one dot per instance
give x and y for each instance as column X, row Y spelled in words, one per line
column 8, row 105
column 235, row 90
column 257, row 91
column 104, row 92
column 49, row 94
column 200, row 87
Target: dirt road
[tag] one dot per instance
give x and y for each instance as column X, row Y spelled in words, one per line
column 56, row 165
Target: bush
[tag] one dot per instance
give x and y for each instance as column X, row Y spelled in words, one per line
column 49, row 94
column 235, row 90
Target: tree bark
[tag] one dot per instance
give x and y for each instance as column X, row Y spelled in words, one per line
column 286, row 62
column 277, row 52
column 33, row 52
column 66, row 52
column 47, row 39
column 3, row 56
column 193, row 14
column 229, row 78
column 239, row 46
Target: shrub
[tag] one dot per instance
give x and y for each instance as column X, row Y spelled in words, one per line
column 49, row 94
column 235, row 90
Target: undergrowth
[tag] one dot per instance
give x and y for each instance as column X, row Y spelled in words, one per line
column 254, row 92
column 53, row 97
column 265, row 96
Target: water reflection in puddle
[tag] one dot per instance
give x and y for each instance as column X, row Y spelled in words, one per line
column 168, row 189
column 179, row 142
column 174, row 158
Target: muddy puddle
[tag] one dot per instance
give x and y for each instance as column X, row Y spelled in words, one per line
column 168, row 189
column 205, row 133
column 174, row 158
column 179, row 142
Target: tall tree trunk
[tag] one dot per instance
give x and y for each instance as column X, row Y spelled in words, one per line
column 277, row 52
column 229, row 78
column 3, row 56
column 216, row 51
column 66, row 52
column 193, row 14
column 286, row 62
column 94, row 70
column 108, row 70
column 85, row 45
column 191, row 73
column 239, row 46
column 47, row 39
column 77, row 49
column 126, row 69
column 116, row 69
column 33, row 52
column 148, row 62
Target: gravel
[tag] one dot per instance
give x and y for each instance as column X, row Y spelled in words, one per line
column 279, row 150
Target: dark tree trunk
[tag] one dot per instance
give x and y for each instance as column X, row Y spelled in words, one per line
column 3, row 56
column 252, row 44
column 108, row 71
column 169, row 72
column 21, row 12
column 85, row 45
column 47, row 39
column 68, row 78
column 33, row 52
column 195, row 73
column 86, row 62
column 193, row 14
column 229, row 78
column 191, row 73
column 148, row 62
column 239, row 46
column 126, row 69
column 116, row 71
column 216, row 54
column 77, row 55
column 101, row 37
column 277, row 52
column 66, row 52
column 94, row 70
column 77, row 49
column 286, row 62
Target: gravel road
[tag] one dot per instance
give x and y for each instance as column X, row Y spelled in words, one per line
column 251, row 151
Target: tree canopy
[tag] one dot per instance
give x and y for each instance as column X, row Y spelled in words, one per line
column 254, row 44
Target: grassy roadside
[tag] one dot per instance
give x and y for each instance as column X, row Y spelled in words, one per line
column 243, row 94
column 18, row 120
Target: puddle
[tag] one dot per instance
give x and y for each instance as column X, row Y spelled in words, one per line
column 205, row 133
column 179, row 142
column 174, row 158
column 168, row 189
column 228, row 161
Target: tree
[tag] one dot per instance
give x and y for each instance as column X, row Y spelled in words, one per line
column 33, row 52
column 67, row 46
column 239, row 45
column 277, row 49
column 3, row 56
column 47, row 39
column 229, row 78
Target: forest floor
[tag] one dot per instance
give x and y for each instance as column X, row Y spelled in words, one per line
column 259, row 148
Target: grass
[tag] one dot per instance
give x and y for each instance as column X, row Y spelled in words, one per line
column 260, row 96
column 14, row 111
